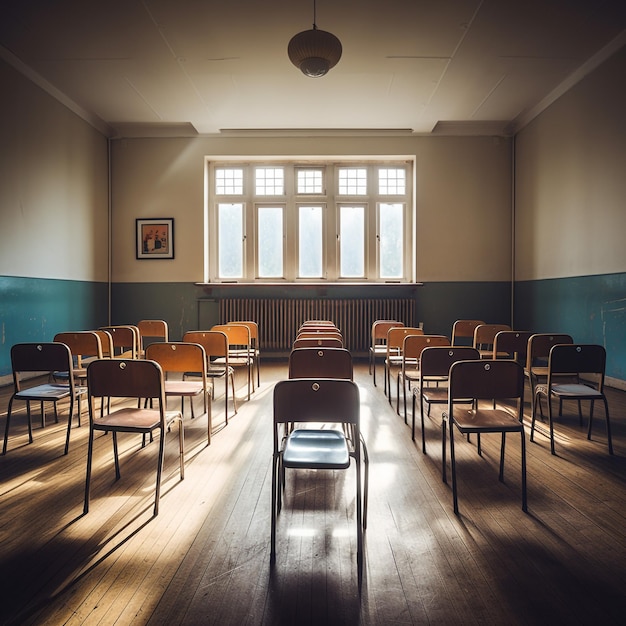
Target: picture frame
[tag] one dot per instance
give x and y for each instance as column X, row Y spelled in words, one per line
column 155, row 238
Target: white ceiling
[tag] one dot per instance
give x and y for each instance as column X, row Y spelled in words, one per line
column 181, row 67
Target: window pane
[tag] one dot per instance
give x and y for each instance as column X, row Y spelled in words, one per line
column 310, row 180
column 352, row 181
column 391, row 239
column 391, row 181
column 230, row 240
column 310, row 249
column 269, row 181
column 229, row 181
column 352, row 241
column 270, row 242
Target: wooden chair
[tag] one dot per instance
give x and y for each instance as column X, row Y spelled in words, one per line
column 315, row 323
column 151, row 329
column 394, row 344
column 319, row 342
column 320, row 363
column 378, row 345
column 253, row 327
column 130, row 378
column 240, row 351
column 484, row 380
column 463, row 332
column 179, row 358
column 511, row 344
column 410, row 370
column 435, row 364
column 315, row 334
column 215, row 344
column 537, row 355
column 315, row 400
column 106, row 341
column 484, row 338
column 126, row 341
column 584, row 361
column 43, row 358
column 85, row 346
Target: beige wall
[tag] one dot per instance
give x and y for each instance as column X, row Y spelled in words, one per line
column 571, row 181
column 463, row 197
column 53, row 187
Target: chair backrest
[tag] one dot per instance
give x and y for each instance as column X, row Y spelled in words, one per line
column 126, row 378
column 380, row 328
column 415, row 344
column 316, row 400
column 539, row 345
column 464, row 330
column 41, row 357
column 486, row 380
column 81, row 344
column 214, row 342
column 317, row 334
column 320, row 363
column 485, row 334
column 436, row 361
column 153, row 329
column 318, row 323
column 577, row 358
column 319, row 342
column 178, row 356
column 253, row 327
column 396, row 336
column 106, row 341
column 514, row 343
column 125, row 338
column 237, row 334
column 323, row 329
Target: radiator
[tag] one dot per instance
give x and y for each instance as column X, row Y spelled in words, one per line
column 279, row 319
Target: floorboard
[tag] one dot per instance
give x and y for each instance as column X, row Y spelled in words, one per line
column 205, row 558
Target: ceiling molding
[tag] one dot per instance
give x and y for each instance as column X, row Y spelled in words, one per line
column 51, row 90
column 573, row 79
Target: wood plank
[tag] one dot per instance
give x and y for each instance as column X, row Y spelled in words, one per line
column 205, row 557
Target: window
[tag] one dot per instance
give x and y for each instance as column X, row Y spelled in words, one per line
column 309, row 220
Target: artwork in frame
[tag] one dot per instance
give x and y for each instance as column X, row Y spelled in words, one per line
column 155, row 238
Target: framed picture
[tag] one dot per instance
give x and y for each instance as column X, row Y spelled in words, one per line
column 155, row 238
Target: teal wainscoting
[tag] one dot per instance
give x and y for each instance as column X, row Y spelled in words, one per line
column 35, row 309
column 176, row 303
column 187, row 306
column 590, row 308
column 439, row 305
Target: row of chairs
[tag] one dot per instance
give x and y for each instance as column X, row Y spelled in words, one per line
column 493, row 368
column 319, row 392
column 78, row 358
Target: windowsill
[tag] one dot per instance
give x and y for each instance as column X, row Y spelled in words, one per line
column 309, row 290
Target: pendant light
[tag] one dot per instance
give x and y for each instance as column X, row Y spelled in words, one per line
column 314, row 51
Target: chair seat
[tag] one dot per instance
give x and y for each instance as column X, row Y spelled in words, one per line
column 233, row 362
column 412, row 375
column 497, row 419
column 381, row 349
column 131, row 419
column 183, row 388
column 575, row 391
column 217, row 371
column 395, row 361
column 47, row 391
column 434, row 395
column 316, row 449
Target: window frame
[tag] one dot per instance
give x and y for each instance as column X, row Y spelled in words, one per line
column 329, row 200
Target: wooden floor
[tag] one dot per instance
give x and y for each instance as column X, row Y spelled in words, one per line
column 205, row 558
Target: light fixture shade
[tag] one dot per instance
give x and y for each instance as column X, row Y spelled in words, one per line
column 314, row 52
